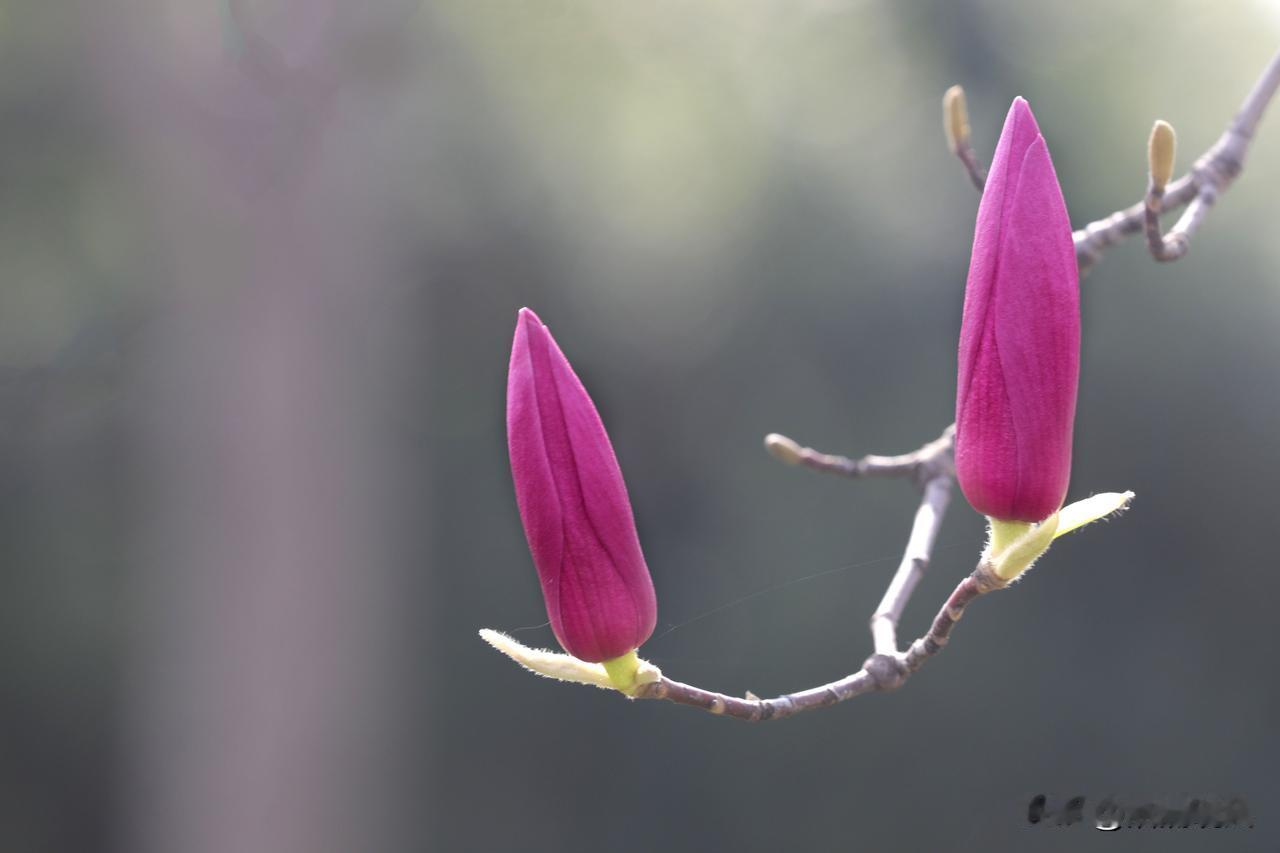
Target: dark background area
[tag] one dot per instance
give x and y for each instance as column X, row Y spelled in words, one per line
column 261, row 264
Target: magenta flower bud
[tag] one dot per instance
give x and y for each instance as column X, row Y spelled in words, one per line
column 1020, row 337
column 574, row 505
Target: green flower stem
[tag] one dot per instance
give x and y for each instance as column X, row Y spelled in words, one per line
column 1005, row 533
column 622, row 671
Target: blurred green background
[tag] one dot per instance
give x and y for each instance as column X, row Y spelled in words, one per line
column 260, row 267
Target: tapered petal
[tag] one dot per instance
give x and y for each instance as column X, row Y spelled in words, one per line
column 573, row 504
column 1020, row 337
column 1020, row 130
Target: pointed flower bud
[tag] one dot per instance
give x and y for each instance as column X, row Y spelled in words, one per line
column 1020, row 336
column 574, row 507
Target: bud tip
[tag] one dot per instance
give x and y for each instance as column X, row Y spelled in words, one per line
column 783, row 448
column 955, row 118
column 1160, row 153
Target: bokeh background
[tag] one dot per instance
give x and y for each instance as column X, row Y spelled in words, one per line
column 259, row 269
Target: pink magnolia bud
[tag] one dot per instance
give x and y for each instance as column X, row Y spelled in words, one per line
column 1020, row 337
column 574, row 504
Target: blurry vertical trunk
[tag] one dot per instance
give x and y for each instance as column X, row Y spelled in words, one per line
column 267, row 696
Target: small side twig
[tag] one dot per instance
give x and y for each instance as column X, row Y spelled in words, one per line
column 955, row 120
column 1160, row 155
column 976, row 171
column 1160, row 248
column 905, row 465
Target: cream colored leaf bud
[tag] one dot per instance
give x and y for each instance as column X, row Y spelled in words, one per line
column 955, row 118
column 783, row 448
column 1160, row 150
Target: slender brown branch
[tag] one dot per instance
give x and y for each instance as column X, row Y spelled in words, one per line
column 880, row 673
column 887, row 668
column 982, row 581
column 905, row 465
column 754, row 709
column 976, row 171
column 915, row 560
column 1172, row 246
column 1156, row 244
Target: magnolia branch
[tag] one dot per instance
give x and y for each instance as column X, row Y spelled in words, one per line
column 883, row 671
column 932, row 467
column 1210, row 176
column 887, row 668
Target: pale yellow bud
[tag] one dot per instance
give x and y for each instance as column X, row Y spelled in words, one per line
column 1160, row 150
column 955, row 118
column 783, row 448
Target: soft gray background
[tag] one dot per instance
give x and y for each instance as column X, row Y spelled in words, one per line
column 254, row 500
